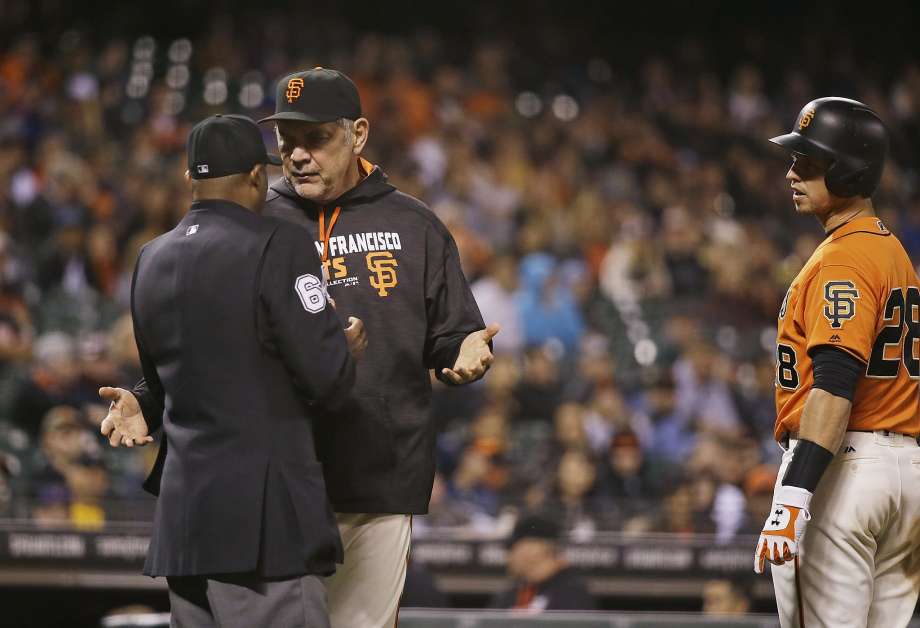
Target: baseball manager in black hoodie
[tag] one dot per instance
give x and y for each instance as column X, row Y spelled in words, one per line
column 391, row 263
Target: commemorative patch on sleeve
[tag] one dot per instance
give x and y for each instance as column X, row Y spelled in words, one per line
column 840, row 302
column 311, row 292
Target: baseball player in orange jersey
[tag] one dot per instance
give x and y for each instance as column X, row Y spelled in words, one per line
column 846, row 392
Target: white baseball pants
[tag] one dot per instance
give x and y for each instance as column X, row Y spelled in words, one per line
column 860, row 563
column 365, row 591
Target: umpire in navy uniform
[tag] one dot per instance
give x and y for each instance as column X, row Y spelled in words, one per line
column 236, row 338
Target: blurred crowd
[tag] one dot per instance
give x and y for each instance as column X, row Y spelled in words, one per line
column 629, row 228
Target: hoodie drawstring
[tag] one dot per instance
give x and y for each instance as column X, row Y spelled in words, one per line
column 325, row 235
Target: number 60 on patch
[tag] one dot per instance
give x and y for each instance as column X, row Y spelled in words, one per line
column 310, row 290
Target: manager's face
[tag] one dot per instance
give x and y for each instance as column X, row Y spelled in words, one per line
column 318, row 157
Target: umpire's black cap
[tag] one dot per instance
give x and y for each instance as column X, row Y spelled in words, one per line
column 226, row 144
column 317, row 95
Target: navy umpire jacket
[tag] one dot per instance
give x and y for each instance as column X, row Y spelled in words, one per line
column 395, row 266
column 236, row 340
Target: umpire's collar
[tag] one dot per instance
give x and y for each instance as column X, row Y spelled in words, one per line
column 218, row 204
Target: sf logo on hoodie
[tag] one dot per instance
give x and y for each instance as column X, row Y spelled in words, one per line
column 383, row 266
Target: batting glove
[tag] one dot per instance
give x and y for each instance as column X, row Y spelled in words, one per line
column 785, row 527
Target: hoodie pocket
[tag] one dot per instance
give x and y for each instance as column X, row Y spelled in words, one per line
column 358, row 450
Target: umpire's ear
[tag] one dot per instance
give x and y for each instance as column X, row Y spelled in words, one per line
column 258, row 176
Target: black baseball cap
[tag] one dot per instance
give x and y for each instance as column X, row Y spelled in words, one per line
column 317, row 95
column 535, row 527
column 226, row 144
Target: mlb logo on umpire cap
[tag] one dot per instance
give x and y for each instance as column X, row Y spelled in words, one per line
column 222, row 145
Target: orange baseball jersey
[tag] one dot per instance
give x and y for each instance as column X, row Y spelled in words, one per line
column 860, row 292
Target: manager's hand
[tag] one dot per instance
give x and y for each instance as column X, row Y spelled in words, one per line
column 474, row 358
column 356, row 337
column 124, row 424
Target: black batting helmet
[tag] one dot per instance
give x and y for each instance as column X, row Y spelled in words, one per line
column 846, row 134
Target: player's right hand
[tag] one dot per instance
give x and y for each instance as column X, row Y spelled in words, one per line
column 124, row 424
column 356, row 337
column 784, row 529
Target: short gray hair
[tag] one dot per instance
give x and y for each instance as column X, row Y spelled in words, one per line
column 349, row 126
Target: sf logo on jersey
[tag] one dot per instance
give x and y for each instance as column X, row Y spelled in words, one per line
column 383, row 266
column 840, row 302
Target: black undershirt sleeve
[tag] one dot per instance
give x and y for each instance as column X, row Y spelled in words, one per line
column 809, row 462
column 836, row 371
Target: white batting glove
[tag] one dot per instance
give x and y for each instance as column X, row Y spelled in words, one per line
column 784, row 528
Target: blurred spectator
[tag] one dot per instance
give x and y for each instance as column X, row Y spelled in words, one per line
column 672, row 434
column 702, row 390
column 542, row 579
column 9, row 466
column 98, row 368
column 572, row 497
column 687, row 510
column 123, row 351
column 479, row 480
column 494, row 294
column 88, row 483
column 758, row 491
column 68, row 479
column 15, row 318
column 551, row 312
column 735, row 459
column 54, row 380
column 595, row 369
column 570, row 428
column 443, row 511
column 538, row 391
column 726, row 597
column 608, row 413
column 628, row 482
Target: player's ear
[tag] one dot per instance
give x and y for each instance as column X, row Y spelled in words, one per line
column 188, row 177
column 362, row 129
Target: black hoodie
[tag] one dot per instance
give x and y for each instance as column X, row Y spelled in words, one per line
column 395, row 266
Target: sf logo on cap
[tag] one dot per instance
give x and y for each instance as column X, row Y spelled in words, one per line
column 806, row 118
column 293, row 89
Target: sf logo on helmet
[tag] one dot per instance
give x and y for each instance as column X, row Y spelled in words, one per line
column 383, row 265
column 840, row 302
column 806, row 119
column 293, row 89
